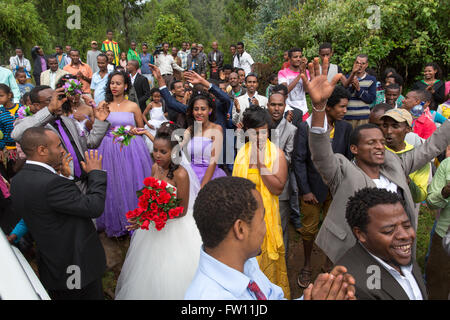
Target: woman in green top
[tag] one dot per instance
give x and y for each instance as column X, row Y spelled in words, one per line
column 431, row 82
column 132, row 53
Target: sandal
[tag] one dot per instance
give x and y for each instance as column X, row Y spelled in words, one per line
column 304, row 278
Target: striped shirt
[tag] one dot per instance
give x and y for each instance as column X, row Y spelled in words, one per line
column 359, row 105
column 6, row 126
column 114, row 47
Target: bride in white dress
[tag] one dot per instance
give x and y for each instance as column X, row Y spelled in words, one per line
column 160, row 265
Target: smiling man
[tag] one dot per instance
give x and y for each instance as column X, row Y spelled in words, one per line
column 373, row 166
column 396, row 124
column 381, row 261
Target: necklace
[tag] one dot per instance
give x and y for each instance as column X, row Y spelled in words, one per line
column 162, row 170
column 118, row 104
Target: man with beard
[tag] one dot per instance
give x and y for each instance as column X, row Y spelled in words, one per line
column 381, row 261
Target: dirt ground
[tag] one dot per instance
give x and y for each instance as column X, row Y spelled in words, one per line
column 116, row 250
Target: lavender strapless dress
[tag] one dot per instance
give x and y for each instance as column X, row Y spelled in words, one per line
column 126, row 169
column 200, row 151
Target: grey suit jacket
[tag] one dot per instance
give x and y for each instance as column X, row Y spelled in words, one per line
column 344, row 178
column 360, row 264
column 283, row 137
column 43, row 117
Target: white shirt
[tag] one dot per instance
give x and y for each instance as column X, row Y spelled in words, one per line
column 42, row 164
column 16, row 61
column 244, row 104
column 133, row 78
column 166, row 64
column 52, row 79
column 245, row 62
column 46, row 166
column 407, row 281
column 385, row 183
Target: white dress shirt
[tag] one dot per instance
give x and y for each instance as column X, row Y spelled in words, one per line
column 166, row 64
column 406, row 281
column 244, row 103
column 244, row 61
column 46, row 166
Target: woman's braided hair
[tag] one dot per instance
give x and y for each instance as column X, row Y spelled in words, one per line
column 166, row 132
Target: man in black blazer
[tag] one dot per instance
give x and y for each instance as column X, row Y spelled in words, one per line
column 381, row 261
column 37, row 54
column 314, row 194
column 71, row 258
column 140, row 84
column 215, row 55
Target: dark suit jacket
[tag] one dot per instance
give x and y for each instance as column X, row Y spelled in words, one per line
column 37, row 67
column 219, row 58
column 142, row 90
column 59, row 217
column 308, row 178
column 357, row 261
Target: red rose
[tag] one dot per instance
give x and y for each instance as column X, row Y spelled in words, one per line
column 148, row 181
column 153, row 206
column 130, row 214
column 145, row 224
column 163, row 184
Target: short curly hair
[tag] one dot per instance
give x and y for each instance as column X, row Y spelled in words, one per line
column 219, row 204
column 357, row 211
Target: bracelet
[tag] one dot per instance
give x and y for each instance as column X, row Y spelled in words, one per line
column 320, row 110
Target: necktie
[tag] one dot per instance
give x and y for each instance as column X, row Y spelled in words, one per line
column 69, row 147
column 253, row 287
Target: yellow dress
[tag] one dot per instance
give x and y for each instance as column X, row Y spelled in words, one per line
column 272, row 258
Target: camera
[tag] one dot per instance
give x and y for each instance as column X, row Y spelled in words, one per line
column 158, row 50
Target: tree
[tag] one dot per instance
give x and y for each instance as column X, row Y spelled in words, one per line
column 20, row 25
column 410, row 33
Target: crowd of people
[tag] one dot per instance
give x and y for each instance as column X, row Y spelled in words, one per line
column 358, row 151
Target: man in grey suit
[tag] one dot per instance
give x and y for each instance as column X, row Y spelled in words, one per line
column 283, row 136
column 373, row 165
column 381, row 261
column 48, row 114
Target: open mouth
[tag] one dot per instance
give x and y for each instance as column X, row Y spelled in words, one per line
column 379, row 155
column 404, row 250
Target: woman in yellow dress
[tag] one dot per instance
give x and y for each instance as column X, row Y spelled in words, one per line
column 262, row 162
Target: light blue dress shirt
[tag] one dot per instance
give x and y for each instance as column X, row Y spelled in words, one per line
column 7, row 77
column 217, row 281
column 99, row 86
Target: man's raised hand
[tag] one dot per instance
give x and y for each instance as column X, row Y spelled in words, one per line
column 319, row 88
column 93, row 161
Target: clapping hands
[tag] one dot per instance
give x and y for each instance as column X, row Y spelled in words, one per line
column 336, row 285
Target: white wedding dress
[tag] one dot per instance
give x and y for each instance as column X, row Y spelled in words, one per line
column 160, row 265
column 156, row 119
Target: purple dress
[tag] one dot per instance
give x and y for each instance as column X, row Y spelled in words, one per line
column 200, row 151
column 126, row 169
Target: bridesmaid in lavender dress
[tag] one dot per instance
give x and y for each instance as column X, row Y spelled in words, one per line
column 127, row 167
column 204, row 139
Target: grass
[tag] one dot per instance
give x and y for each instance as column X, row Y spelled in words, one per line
column 426, row 222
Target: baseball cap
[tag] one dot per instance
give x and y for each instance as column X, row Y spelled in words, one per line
column 399, row 115
column 92, row 42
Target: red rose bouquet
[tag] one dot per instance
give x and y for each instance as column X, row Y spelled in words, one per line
column 157, row 204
